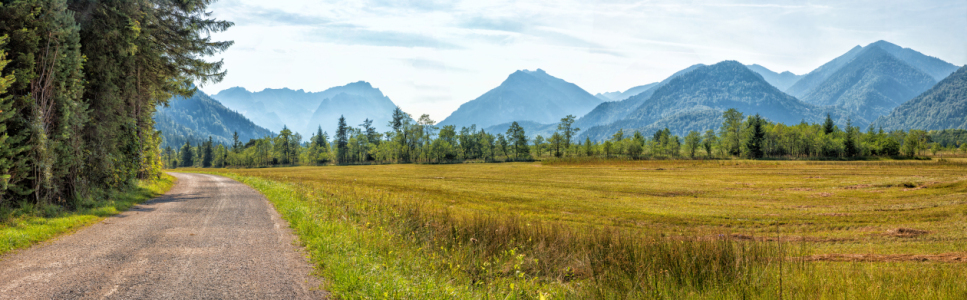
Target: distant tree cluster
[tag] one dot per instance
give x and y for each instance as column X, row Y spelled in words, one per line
column 421, row 141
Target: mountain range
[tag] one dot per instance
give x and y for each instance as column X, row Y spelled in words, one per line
column 875, row 81
column 198, row 117
column 524, row 96
column 866, row 84
column 305, row 112
column 610, row 112
column 696, row 99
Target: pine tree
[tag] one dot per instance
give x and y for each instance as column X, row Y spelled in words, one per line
column 207, row 153
column 849, row 144
column 187, row 158
column 236, row 143
column 342, row 141
column 828, row 126
column 756, row 137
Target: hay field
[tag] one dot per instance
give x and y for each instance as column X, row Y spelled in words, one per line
column 873, row 228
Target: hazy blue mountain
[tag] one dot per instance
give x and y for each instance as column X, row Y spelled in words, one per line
column 690, row 102
column 618, row 96
column 300, row 110
column 936, row 67
column 524, row 96
column 355, row 108
column 817, row 76
column 610, row 112
column 199, row 117
column 782, row 81
column 944, row 106
column 870, row 85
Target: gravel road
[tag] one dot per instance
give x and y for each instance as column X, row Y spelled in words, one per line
column 210, row 237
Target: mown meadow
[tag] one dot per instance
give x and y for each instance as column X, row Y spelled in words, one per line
column 616, row 229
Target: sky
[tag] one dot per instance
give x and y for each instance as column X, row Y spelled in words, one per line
column 430, row 57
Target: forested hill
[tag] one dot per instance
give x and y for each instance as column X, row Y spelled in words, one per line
column 524, row 96
column 610, row 112
column 198, row 117
column 693, row 100
column 944, row 106
column 817, row 76
column 870, row 85
column 304, row 112
column 817, row 79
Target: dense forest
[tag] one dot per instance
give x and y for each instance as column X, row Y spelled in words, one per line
column 80, row 83
column 739, row 136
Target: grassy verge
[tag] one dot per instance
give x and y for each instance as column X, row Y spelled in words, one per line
column 29, row 224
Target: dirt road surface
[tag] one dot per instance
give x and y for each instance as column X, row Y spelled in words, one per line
column 210, row 237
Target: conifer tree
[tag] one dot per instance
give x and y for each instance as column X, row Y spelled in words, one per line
column 756, row 136
column 828, row 125
column 207, row 153
column 342, row 140
column 187, row 158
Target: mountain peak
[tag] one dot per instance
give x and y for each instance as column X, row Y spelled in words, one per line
column 524, row 96
column 360, row 84
column 885, row 44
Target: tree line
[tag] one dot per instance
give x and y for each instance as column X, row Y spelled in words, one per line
column 79, row 83
column 420, row 141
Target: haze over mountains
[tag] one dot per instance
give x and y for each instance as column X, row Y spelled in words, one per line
column 782, row 81
column 524, row 96
column 305, row 112
column 862, row 85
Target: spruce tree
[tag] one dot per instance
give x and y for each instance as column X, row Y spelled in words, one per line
column 828, row 125
column 342, row 140
column 756, row 137
column 207, row 153
column 849, row 144
column 187, row 158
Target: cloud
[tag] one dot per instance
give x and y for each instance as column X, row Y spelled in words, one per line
column 412, row 5
column 243, row 14
column 354, row 35
column 496, row 24
column 427, row 64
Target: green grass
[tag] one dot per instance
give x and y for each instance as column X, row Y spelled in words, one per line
column 629, row 229
column 29, row 224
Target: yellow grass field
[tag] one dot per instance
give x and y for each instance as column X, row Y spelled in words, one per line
column 888, row 227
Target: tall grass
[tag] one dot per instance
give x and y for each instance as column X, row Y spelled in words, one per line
column 492, row 255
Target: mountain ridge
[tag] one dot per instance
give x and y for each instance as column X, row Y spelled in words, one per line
column 524, row 96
